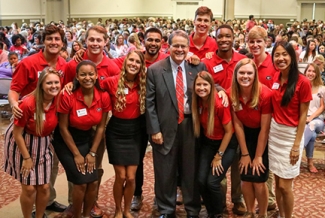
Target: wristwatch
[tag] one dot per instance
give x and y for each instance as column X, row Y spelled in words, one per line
column 93, row 154
column 220, row 153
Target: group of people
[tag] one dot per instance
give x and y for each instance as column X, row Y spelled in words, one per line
column 203, row 106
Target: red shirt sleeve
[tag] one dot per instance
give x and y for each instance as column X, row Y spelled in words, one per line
column 266, row 106
column 65, row 104
column 27, row 113
column 305, row 90
column 106, row 100
column 20, row 77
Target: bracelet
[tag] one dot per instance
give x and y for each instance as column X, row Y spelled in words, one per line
column 244, row 155
column 27, row 158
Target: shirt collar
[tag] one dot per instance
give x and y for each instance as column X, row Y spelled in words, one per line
column 175, row 66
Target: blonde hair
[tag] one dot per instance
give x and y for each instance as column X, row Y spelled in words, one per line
column 211, row 105
column 317, row 81
column 120, row 103
column 38, row 93
column 257, row 32
column 133, row 38
column 235, row 88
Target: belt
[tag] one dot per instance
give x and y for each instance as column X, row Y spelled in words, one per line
column 187, row 115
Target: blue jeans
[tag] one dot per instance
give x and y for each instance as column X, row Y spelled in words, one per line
column 311, row 130
column 210, row 185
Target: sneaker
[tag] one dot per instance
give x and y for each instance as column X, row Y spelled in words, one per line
column 96, row 211
column 56, row 207
column 179, row 197
column 136, row 203
column 239, row 208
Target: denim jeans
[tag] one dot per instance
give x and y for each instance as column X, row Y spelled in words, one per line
column 210, row 185
column 311, row 130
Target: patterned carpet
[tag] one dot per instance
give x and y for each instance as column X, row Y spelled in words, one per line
column 309, row 192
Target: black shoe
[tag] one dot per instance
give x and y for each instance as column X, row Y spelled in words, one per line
column 167, row 216
column 56, row 207
column 34, row 215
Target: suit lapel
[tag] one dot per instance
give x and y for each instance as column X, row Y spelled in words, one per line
column 189, row 80
column 169, row 81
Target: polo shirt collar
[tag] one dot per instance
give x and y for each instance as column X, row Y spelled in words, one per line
column 80, row 96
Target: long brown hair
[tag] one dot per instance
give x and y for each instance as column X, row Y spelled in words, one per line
column 235, row 88
column 39, row 98
column 318, row 79
column 195, row 106
column 120, row 104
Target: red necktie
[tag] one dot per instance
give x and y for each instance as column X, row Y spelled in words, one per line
column 180, row 94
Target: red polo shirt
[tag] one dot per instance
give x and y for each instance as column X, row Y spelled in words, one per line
column 221, row 70
column 25, row 77
column 266, row 71
column 28, row 106
column 222, row 116
column 210, row 45
column 251, row 117
column 106, row 68
column 132, row 109
column 119, row 61
column 289, row 115
column 80, row 115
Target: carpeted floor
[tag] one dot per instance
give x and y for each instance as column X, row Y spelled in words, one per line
column 309, row 192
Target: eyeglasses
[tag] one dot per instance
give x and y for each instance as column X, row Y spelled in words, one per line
column 153, row 40
column 179, row 46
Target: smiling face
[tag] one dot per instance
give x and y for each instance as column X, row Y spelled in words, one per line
column 76, row 46
column 202, row 23
column 310, row 73
column 225, row 39
column 87, row 76
column 257, row 46
column 51, row 86
column 53, row 43
column 133, row 65
column 179, row 49
column 202, row 88
column 153, row 43
column 95, row 42
column 245, row 75
column 281, row 59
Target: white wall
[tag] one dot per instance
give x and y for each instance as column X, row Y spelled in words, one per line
column 20, row 9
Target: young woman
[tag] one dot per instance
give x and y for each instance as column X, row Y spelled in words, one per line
column 290, row 100
column 123, row 132
column 251, row 114
column 218, row 145
column 308, row 55
column 74, row 145
column 76, row 46
column 120, row 47
column 315, row 118
column 28, row 150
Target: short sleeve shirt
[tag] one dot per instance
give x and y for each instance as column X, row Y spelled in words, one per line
column 28, row 120
column 80, row 115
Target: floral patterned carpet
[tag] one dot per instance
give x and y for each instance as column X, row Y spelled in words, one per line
column 309, row 192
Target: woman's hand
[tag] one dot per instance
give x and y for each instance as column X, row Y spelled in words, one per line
column 217, row 168
column 258, row 166
column 80, row 163
column 26, row 167
column 67, row 88
column 294, row 155
column 90, row 162
column 244, row 164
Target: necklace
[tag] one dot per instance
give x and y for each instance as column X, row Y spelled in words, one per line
column 130, row 81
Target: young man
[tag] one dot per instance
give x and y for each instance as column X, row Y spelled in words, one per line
column 200, row 41
column 221, row 67
column 24, row 81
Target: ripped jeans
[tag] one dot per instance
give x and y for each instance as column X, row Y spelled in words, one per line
column 311, row 130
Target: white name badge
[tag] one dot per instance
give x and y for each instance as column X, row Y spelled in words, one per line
column 126, row 91
column 218, row 68
column 82, row 112
column 43, row 116
column 275, row 86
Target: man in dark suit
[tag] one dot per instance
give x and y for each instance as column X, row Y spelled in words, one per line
column 169, row 124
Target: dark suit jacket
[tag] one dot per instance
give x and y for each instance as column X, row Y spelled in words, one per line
column 161, row 103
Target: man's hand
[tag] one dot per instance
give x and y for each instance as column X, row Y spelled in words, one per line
column 67, row 88
column 78, row 55
column 16, row 111
column 193, row 59
column 157, row 138
column 223, row 95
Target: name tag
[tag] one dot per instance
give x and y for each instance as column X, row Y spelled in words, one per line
column 82, row 112
column 126, row 91
column 43, row 116
column 218, row 68
column 275, row 86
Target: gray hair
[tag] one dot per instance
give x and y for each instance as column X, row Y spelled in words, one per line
column 178, row 33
